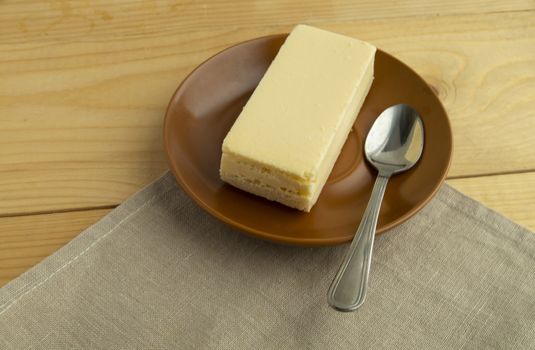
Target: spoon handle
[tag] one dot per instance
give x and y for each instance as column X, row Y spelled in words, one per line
column 348, row 289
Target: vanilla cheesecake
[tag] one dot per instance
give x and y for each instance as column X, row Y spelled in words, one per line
column 288, row 136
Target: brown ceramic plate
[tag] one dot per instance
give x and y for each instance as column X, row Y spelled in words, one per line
column 208, row 101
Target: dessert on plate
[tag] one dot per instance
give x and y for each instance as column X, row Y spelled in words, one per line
column 288, row 136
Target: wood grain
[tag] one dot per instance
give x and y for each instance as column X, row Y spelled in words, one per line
column 81, row 118
column 24, row 20
column 26, row 240
column 512, row 195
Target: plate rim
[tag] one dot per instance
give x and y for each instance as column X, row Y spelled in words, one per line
column 283, row 239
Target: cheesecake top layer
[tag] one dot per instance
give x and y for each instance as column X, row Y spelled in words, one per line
column 295, row 113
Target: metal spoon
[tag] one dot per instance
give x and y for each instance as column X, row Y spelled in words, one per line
column 394, row 144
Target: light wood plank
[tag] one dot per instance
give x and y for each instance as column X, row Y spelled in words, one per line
column 26, row 240
column 68, row 20
column 81, row 118
column 512, row 195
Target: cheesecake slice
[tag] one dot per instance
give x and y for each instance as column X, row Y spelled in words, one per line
column 288, row 136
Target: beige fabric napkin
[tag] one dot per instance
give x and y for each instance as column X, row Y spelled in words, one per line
column 159, row 273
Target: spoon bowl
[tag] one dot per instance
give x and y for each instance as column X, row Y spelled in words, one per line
column 395, row 141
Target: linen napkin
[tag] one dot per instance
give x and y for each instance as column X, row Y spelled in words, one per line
column 159, row 273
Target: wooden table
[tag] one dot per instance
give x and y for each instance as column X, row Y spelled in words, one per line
column 84, row 86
